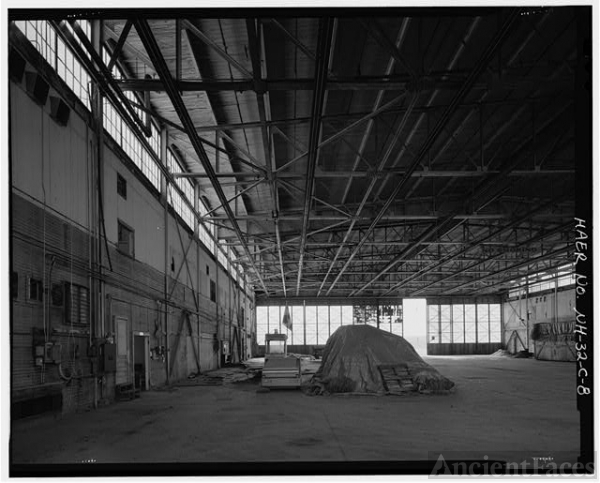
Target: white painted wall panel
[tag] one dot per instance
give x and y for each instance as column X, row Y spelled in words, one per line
column 26, row 146
column 58, row 153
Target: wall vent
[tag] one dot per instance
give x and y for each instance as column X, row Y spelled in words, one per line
column 59, row 111
column 37, row 87
column 16, row 66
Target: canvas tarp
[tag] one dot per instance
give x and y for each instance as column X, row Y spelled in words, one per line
column 353, row 354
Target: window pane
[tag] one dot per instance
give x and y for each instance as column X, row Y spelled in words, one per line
column 458, row 323
column 483, row 323
column 495, row 323
column 296, row 335
column 371, row 315
column 495, row 332
column 323, row 324
column 470, row 329
column 446, row 323
column 397, row 328
column 262, row 324
column 386, row 313
column 359, row 314
column 335, row 317
column 495, row 313
column 346, row 315
column 434, row 323
column 311, row 324
column 274, row 320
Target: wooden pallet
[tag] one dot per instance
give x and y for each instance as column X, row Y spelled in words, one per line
column 396, row 379
column 126, row 391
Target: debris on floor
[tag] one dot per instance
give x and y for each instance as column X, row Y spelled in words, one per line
column 364, row 359
column 218, row 377
column 523, row 355
column 517, row 355
column 255, row 363
column 501, row 353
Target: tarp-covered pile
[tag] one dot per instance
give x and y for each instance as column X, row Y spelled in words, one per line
column 356, row 357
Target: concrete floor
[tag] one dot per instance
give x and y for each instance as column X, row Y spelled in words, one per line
column 502, row 408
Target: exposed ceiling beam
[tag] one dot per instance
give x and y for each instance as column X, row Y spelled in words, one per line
column 254, row 39
column 367, row 193
column 324, row 45
column 127, row 47
column 208, row 215
column 478, row 68
column 508, row 280
column 448, row 223
column 117, row 50
column 482, row 188
column 544, row 257
column 425, row 173
column 358, row 83
column 369, row 127
column 162, row 69
column 309, row 53
column 318, row 218
column 357, row 115
column 478, row 262
column 186, row 24
column 375, row 30
column 490, row 236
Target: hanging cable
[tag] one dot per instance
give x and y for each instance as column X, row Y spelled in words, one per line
column 99, row 126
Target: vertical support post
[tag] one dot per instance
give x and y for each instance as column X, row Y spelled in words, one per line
column 527, row 307
column 96, row 285
column 198, row 251
column 304, row 321
column 164, row 188
column 481, row 156
column 555, row 299
column 439, row 322
column 217, row 298
column 533, row 158
column 328, row 320
column 317, row 325
column 230, row 302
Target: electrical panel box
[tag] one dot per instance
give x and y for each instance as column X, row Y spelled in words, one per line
column 53, row 353
column 48, row 353
column 110, row 358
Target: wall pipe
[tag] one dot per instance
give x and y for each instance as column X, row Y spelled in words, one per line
column 164, row 192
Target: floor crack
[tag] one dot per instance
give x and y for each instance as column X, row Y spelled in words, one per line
column 336, row 438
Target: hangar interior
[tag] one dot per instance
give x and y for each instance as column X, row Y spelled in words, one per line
column 185, row 181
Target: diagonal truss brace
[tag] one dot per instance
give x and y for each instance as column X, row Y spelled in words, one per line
column 160, row 65
column 479, row 67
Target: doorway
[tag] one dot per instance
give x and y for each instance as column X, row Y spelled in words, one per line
column 415, row 323
column 123, row 374
column 141, row 356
